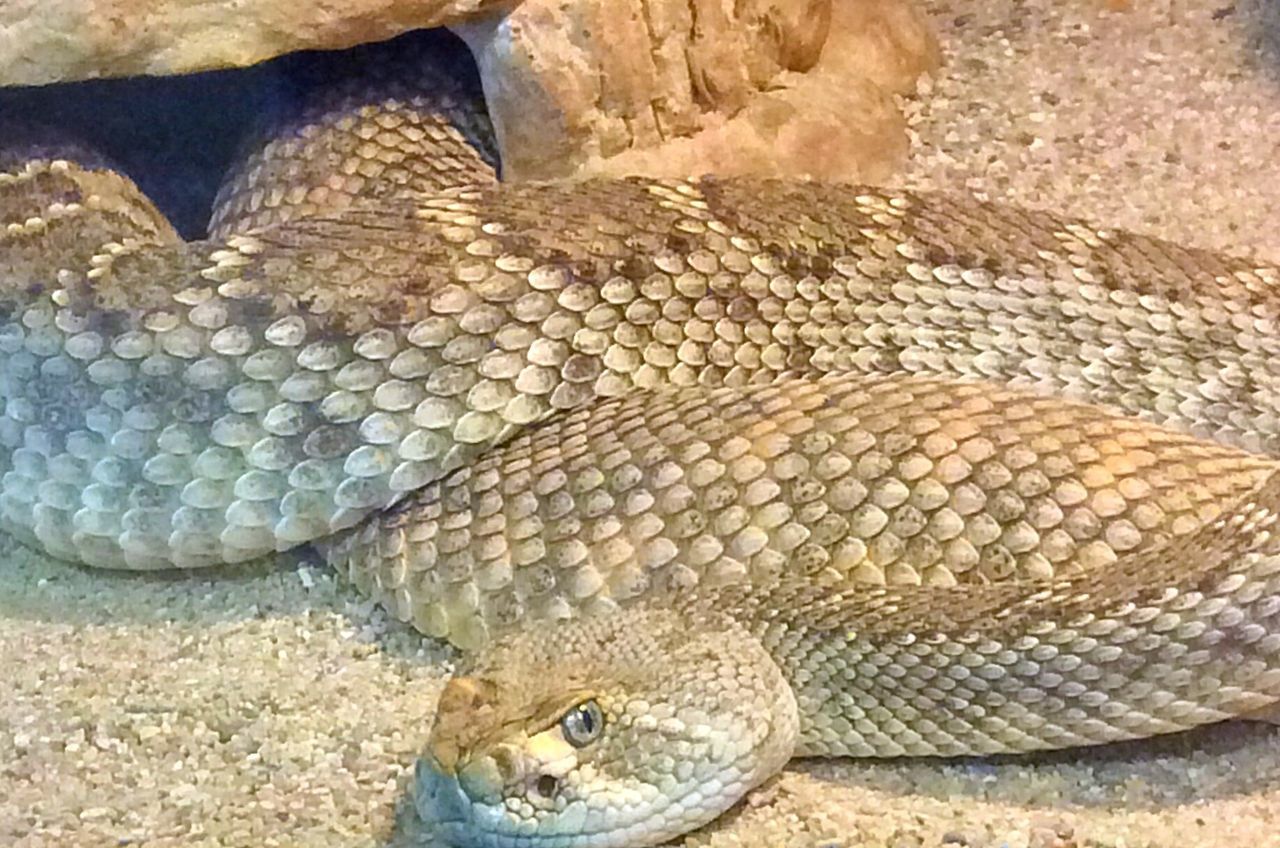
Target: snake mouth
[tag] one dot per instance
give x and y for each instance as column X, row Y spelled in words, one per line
column 439, row 798
column 448, row 813
column 452, row 818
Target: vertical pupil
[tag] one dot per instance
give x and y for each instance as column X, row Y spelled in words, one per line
column 588, row 724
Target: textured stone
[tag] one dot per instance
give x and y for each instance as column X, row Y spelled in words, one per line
column 43, row 41
column 797, row 87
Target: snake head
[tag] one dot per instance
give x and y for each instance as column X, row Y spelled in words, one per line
column 624, row 730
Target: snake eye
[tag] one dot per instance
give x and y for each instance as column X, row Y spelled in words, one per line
column 583, row 724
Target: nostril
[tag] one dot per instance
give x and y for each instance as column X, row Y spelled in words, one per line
column 547, row 786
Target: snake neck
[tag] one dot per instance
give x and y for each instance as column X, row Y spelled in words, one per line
column 1164, row 640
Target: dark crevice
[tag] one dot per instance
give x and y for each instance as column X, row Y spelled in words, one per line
column 176, row 136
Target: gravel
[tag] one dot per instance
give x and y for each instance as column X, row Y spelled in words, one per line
column 274, row 707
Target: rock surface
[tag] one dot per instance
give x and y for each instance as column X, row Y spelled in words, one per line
column 44, row 41
column 675, row 87
column 797, row 87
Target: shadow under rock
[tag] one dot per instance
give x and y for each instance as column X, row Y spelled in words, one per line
column 1220, row 761
column 177, row 136
column 174, row 136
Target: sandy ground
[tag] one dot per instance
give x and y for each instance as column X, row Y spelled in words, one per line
column 274, row 707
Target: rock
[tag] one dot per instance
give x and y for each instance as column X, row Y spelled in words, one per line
column 795, row 87
column 43, row 41
column 658, row 87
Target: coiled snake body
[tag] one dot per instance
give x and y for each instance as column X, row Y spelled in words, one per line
column 837, row 470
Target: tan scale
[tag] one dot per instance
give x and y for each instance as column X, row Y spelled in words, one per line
column 883, row 480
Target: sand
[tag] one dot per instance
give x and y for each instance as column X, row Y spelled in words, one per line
column 274, row 706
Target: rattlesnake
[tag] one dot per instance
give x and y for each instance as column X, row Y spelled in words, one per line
column 708, row 412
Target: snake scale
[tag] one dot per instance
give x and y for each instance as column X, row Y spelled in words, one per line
column 835, row 470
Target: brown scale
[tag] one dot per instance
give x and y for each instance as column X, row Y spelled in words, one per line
column 395, row 129
column 55, row 217
column 899, row 481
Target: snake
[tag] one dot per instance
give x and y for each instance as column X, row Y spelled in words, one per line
column 701, row 475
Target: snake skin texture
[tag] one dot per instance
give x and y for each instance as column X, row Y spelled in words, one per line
column 703, row 695
column 233, row 399
column 800, row 469
column 392, row 127
column 879, row 480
